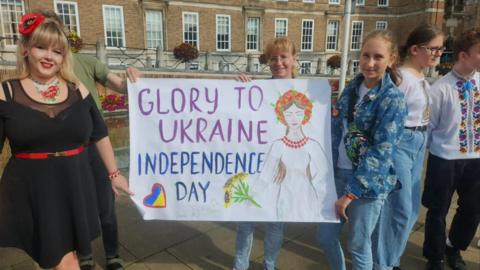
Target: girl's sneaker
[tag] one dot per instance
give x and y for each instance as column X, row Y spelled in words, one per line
column 114, row 263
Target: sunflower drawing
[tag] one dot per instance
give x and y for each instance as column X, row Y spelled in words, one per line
column 237, row 190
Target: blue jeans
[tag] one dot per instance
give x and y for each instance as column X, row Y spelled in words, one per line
column 328, row 234
column 401, row 207
column 272, row 244
column 363, row 215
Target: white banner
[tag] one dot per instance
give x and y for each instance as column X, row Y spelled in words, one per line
column 231, row 151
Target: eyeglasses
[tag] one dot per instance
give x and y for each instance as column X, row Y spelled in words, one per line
column 434, row 50
column 278, row 58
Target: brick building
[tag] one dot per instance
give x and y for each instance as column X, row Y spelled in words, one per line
column 229, row 34
column 461, row 15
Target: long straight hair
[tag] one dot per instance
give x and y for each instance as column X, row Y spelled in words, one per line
column 387, row 36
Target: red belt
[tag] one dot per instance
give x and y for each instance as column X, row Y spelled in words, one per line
column 67, row 153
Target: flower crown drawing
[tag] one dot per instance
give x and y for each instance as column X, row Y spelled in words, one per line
column 297, row 98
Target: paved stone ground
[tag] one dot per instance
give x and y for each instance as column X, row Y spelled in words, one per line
column 165, row 245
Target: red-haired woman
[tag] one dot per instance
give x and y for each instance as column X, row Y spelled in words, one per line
column 281, row 57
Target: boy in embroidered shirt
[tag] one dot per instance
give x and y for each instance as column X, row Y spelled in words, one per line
column 454, row 162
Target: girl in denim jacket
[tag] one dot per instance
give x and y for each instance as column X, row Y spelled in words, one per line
column 369, row 124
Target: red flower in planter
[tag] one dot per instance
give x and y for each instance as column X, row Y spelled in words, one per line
column 262, row 59
column 113, row 102
column 185, row 52
column 334, row 62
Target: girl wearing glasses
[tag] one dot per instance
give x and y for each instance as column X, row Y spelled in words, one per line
column 422, row 50
column 281, row 55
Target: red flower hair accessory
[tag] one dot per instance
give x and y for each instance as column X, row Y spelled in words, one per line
column 30, row 22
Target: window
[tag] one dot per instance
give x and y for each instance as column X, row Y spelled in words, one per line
column 356, row 66
column 360, row 2
column 114, row 27
column 307, row 35
column 194, row 66
column 11, row 12
column 68, row 13
column 253, row 33
column 381, row 25
column 227, row 67
column 458, row 6
column 334, row 2
column 190, row 29
column 383, row 3
column 309, row 1
column 281, row 27
column 357, row 32
column 154, row 28
column 332, row 35
column 223, row 33
column 305, row 67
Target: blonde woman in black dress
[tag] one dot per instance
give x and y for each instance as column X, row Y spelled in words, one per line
column 47, row 207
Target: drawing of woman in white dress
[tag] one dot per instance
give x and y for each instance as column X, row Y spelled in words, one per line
column 295, row 171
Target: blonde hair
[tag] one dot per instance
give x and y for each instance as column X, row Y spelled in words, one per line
column 387, row 36
column 47, row 33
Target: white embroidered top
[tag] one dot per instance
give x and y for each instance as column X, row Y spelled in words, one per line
column 455, row 117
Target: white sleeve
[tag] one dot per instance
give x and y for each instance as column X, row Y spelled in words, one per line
column 269, row 169
column 319, row 164
column 323, row 182
column 436, row 95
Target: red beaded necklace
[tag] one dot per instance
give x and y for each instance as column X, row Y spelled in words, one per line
column 294, row 144
column 48, row 91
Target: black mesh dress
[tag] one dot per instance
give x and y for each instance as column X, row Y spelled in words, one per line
column 48, row 206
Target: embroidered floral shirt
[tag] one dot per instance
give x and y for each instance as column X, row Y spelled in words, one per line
column 455, row 117
column 380, row 115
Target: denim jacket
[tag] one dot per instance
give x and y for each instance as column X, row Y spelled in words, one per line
column 380, row 115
